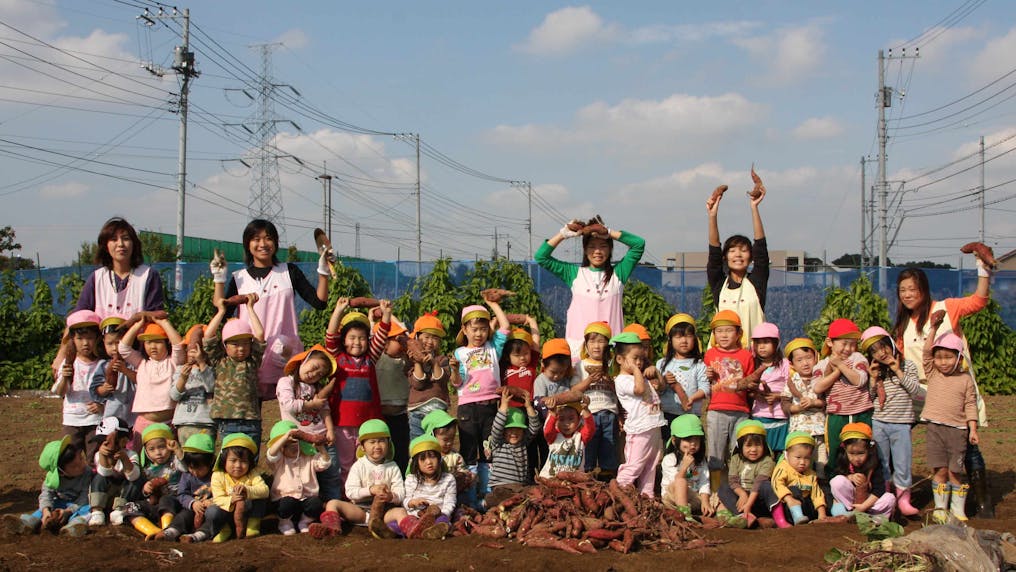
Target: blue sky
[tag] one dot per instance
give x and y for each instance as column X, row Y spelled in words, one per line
column 635, row 111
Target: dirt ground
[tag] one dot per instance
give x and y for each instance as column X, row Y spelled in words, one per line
column 24, row 423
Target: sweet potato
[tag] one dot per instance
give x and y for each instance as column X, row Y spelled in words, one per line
column 363, row 302
column 595, row 229
column 936, row 318
column 551, row 542
column 604, row 534
column 517, row 319
column 496, row 294
column 238, row 300
column 575, row 226
column 756, row 191
column 574, row 476
column 317, row 439
column 717, row 193
column 981, row 251
column 490, row 530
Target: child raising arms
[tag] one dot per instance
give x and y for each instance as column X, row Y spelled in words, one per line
column 163, row 353
column 843, row 373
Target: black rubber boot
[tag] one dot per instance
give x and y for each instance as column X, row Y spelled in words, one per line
column 978, row 474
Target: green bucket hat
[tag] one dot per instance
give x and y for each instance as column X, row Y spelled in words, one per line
column 281, row 428
column 374, row 429
column 49, row 461
column 749, row 427
column 516, row 419
column 798, row 438
column 238, row 440
column 625, row 338
column 153, row 431
column 200, row 443
column 686, row 425
column 436, row 419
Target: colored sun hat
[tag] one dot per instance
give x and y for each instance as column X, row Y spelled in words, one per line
column 294, row 362
column 625, row 338
column 111, row 324
column 676, row 319
column 437, row 419
column 153, row 332
column 765, row 330
column 843, row 329
column 725, row 318
column 749, row 427
column 798, row 438
column 195, row 335
column 396, row 328
column 520, row 334
column 109, row 426
column 475, row 311
column 83, row 319
column 556, row 347
column 686, row 425
column 576, row 405
column 49, row 461
column 281, row 429
column 949, row 341
column 351, row 317
column 200, row 443
column 236, row 330
column 374, row 429
column 153, row 431
column 516, row 419
column 424, row 443
column 871, row 336
column 428, row 323
column 797, row 344
column 237, row 440
column 602, row 328
column 855, row 431
column 639, row 330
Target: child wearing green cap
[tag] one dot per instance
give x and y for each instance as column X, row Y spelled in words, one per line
column 510, row 435
column 63, row 503
column 430, row 492
column 444, row 428
column 161, row 462
column 239, row 494
column 685, row 483
column 295, row 465
column 194, row 491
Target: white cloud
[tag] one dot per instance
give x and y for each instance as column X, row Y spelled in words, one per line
column 997, row 57
column 818, row 128
column 63, row 190
column 565, row 31
column 789, row 54
column 294, row 39
column 36, row 18
column 642, row 126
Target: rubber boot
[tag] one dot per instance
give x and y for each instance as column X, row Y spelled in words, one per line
column 958, row 502
column 438, row 530
column 165, row 520
column 780, row 517
column 838, row 509
column 75, row 527
column 145, row 526
column 426, row 519
column 330, row 525
column 409, row 526
column 253, row 527
column 26, row 524
column 797, row 513
column 903, row 502
column 979, row 484
column 940, row 492
column 225, row 534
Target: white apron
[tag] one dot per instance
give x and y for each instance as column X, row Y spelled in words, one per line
column 109, row 302
column 745, row 303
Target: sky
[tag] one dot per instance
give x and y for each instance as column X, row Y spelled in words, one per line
column 634, row 111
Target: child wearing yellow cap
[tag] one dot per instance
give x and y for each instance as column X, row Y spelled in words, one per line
column 155, row 366
column 805, row 406
column 429, row 374
column 843, row 375
column 598, row 385
column 859, row 485
column 685, row 386
column 116, row 394
column 727, row 366
column 430, row 492
column 796, row 484
column 748, row 493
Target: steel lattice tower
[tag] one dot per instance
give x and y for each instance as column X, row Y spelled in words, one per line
column 266, row 188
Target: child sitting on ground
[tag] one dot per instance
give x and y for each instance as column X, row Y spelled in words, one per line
column 685, row 481
column 63, row 503
column 194, row 491
column 294, row 489
column 748, row 492
column 568, row 429
column 509, row 438
column 162, row 465
column 443, row 427
column 117, row 472
column 430, row 492
column 859, row 485
column 796, row 484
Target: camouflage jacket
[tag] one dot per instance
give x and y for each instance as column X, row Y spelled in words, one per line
column 236, row 382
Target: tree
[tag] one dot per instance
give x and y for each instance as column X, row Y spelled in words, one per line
column 86, row 254
column 292, row 254
column 7, row 244
column 155, row 249
column 859, row 302
column 926, row 264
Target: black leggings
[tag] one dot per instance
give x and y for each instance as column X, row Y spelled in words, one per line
column 475, row 421
column 290, row 507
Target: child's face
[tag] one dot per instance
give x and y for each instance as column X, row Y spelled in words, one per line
column 765, row 347
column 753, row 449
column 157, row 349
column 596, row 344
column 520, row 356
column 236, row 465
column 727, row 337
column 158, row 451
column 597, row 250
column 429, row 463
column 314, row 369
column 738, row 257
column 555, row 370
column 238, row 350
column 446, row 436
column 111, row 341
column 799, row 457
column 567, row 421
column 945, row 360
column 842, row 348
column 75, row 468
column 633, row 359
column 514, row 435
column 86, row 341
column 683, row 344
column 690, row 445
column 428, row 342
column 396, row 347
column 199, row 471
column 803, row 361
column 292, row 449
column 857, row 453
column 375, row 449
column 356, row 342
column 881, row 352
column 476, row 332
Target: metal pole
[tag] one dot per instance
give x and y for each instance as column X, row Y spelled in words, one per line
column 419, row 232
column 885, row 99
column 981, row 235
column 186, row 72
column 864, row 243
column 529, row 193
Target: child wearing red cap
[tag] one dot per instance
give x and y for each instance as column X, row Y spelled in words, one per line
column 163, row 352
column 843, row 374
column 79, row 371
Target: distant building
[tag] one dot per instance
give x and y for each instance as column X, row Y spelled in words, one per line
column 1007, row 261
column 787, row 268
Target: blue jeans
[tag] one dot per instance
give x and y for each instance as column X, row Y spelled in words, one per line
column 893, row 442
column 330, row 479
column 416, row 417
column 602, row 448
column 249, row 427
column 81, row 511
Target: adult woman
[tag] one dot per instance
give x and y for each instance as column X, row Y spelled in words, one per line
column 597, row 285
column 739, row 290
column 912, row 327
column 275, row 284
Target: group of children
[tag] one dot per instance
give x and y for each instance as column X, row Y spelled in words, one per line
column 143, row 406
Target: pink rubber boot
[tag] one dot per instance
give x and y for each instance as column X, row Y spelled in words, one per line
column 779, row 517
column 903, row 503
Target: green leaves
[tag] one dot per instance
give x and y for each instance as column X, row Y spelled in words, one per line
column 198, row 309
column 642, row 305
column 28, row 339
column 346, row 282
column 859, row 302
column 992, row 347
column 877, row 528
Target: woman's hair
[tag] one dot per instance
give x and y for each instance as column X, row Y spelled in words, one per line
column 69, row 454
column 749, row 439
column 673, row 447
column 736, row 240
column 608, row 266
column 198, row 459
column 506, row 353
column 107, row 233
column 253, row 228
column 903, row 315
column 777, row 353
column 241, row 452
column 843, row 464
column 414, row 465
column 682, row 329
column 563, row 361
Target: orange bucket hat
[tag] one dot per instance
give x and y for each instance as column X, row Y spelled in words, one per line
column 429, row 324
column 153, row 332
column 295, row 361
column 639, row 330
column 556, row 347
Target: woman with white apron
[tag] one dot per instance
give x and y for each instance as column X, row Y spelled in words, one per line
column 915, row 305
column 276, row 284
column 739, row 290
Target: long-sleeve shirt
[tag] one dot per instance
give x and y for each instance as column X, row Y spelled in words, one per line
column 899, row 394
column 510, row 463
column 365, row 473
column 952, row 399
column 153, row 378
column 691, row 375
column 150, row 295
column 77, row 395
column 222, row 487
column 391, row 381
column 811, row 420
column 356, row 397
column 730, row 365
column 759, row 275
column 301, row 285
column 872, row 470
column 236, row 382
column 845, row 398
column 912, row 341
column 566, row 453
column 784, row 477
column 643, row 412
column 296, row 477
column 292, row 395
column 74, row 492
column 775, row 378
column 194, row 403
column 523, row 377
column 117, row 468
column 749, row 475
column 192, row 488
column 119, row 402
column 698, row 479
column 430, row 388
column 479, row 372
column 441, row 493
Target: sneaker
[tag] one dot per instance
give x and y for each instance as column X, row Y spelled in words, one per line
column 199, row 536
column 96, row 518
column 304, row 525
column 286, row 527
column 116, row 517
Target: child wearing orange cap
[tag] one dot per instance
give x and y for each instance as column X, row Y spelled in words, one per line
column 80, row 371
column 727, row 366
column 192, row 389
column 557, row 377
column 428, row 378
column 392, row 368
column 806, row 408
column 236, row 406
column 163, row 353
column 843, row 373
column 859, row 485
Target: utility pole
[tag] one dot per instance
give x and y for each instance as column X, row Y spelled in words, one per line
column 419, row 229
column 356, row 247
column 981, row 193
column 326, row 202
column 529, row 221
column 864, row 232
column 493, row 255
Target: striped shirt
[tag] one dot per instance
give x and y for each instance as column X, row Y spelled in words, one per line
column 845, row 398
column 899, row 395
column 510, row 465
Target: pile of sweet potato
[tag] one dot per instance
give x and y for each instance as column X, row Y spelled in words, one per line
column 575, row 513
